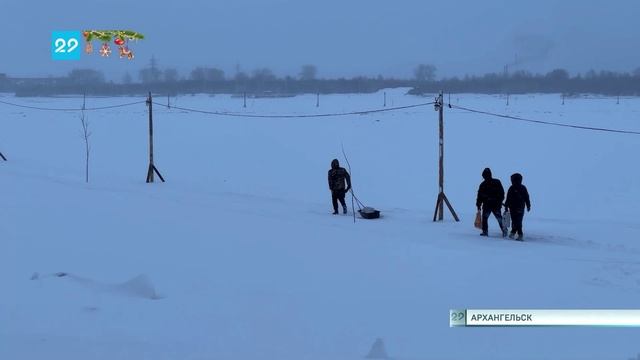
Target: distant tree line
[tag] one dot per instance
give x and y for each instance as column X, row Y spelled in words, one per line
column 263, row 82
column 259, row 82
column 556, row 81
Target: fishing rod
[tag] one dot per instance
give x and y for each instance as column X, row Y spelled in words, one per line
column 353, row 209
column 354, row 198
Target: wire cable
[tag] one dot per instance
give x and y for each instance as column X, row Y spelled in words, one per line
column 70, row 109
column 545, row 122
column 223, row 113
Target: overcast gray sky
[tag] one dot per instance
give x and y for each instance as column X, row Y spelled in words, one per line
column 341, row 37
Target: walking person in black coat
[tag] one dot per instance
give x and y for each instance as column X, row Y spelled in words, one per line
column 517, row 199
column 490, row 197
column 337, row 178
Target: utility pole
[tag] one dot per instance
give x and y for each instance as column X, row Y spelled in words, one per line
column 442, row 198
column 152, row 168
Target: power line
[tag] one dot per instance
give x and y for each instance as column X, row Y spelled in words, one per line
column 545, row 122
column 116, row 106
column 361, row 112
column 223, row 113
column 70, row 109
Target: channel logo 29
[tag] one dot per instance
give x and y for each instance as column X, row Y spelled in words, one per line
column 65, row 45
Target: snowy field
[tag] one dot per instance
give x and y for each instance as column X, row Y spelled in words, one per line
column 236, row 256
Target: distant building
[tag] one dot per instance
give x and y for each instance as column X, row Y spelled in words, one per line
column 35, row 81
column 3, row 82
column 30, row 86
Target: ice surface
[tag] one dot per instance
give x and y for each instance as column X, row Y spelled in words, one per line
column 240, row 242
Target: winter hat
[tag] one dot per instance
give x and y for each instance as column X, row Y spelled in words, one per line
column 486, row 174
column 335, row 164
column 516, row 179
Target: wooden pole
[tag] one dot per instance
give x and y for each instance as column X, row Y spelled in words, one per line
column 385, row 100
column 152, row 168
column 245, row 99
column 562, row 99
column 441, row 159
column 318, row 99
column 442, row 198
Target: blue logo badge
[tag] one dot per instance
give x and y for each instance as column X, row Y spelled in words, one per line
column 65, row 45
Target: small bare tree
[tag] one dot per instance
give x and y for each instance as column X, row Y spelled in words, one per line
column 84, row 120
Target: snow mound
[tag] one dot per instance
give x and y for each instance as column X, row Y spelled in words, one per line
column 378, row 350
column 140, row 286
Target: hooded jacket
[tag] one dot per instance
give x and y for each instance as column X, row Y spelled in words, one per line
column 517, row 196
column 490, row 192
column 338, row 176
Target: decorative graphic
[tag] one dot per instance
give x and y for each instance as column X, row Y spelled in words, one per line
column 105, row 51
column 125, row 52
column 65, row 45
column 120, row 38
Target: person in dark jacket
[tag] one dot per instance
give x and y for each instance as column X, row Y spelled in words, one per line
column 490, row 197
column 337, row 178
column 517, row 199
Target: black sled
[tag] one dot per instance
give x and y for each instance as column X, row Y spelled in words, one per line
column 369, row 213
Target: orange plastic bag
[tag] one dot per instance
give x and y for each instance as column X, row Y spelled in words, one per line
column 478, row 222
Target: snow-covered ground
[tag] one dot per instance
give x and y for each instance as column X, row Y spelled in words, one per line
column 240, row 258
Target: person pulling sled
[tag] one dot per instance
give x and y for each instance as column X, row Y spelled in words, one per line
column 338, row 176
